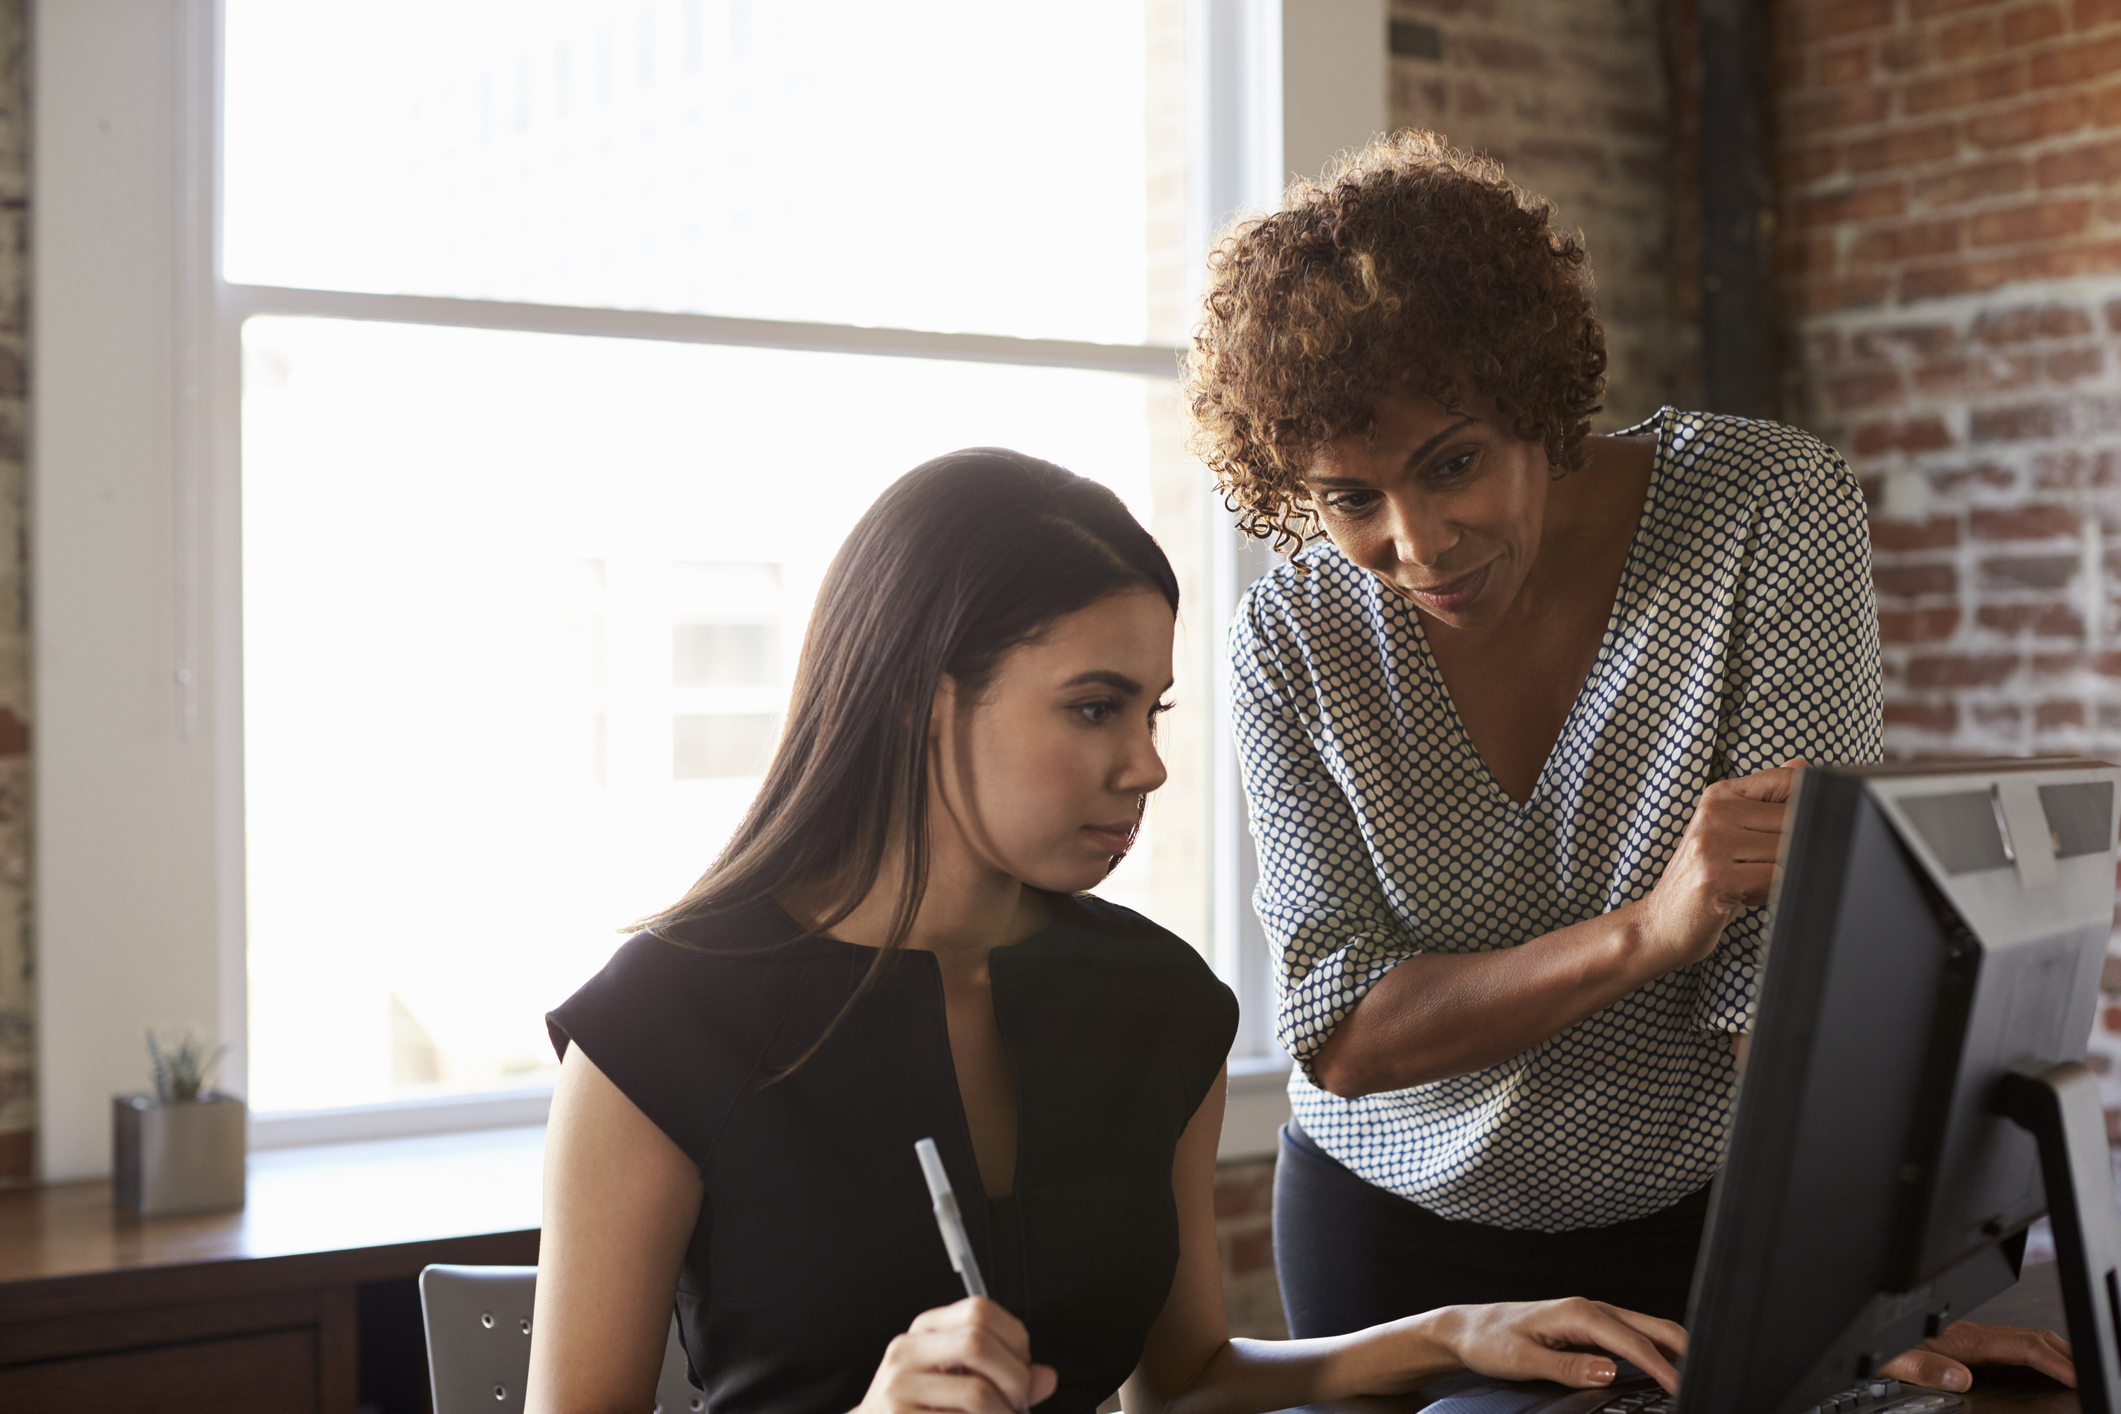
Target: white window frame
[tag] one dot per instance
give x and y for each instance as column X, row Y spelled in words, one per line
column 1277, row 88
column 136, row 533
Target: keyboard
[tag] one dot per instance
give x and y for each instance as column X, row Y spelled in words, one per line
column 1888, row 1397
column 1639, row 1394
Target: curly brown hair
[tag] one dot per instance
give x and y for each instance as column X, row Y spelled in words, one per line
column 1410, row 266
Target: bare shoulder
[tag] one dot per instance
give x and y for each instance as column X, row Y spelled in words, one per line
column 595, row 1126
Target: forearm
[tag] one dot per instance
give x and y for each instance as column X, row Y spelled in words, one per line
column 1436, row 1015
column 1253, row 1376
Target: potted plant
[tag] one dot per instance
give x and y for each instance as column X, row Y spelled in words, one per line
column 181, row 1149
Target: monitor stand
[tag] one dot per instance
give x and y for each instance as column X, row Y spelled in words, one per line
column 2060, row 1105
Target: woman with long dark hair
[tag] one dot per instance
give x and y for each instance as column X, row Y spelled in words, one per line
column 895, row 945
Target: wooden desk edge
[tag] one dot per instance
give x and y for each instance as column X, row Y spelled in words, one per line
column 36, row 1298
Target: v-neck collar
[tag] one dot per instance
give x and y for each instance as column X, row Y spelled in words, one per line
column 1630, row 574
column 1065, row 916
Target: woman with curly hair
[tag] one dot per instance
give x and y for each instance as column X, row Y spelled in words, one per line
column 1517, row 719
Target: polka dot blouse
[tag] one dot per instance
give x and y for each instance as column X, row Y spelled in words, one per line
column 1744, row 633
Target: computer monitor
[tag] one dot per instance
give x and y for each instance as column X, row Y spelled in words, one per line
column 1933, row 962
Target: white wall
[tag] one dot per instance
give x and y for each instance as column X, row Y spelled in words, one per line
column 1281, row 87
column 132, row 823
column 1335, row 79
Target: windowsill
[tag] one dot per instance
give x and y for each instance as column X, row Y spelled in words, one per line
column 1256, row 1107
column 1254, row 1074
column 398, row 1119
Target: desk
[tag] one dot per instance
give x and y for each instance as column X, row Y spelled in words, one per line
column 229, row 1313
column 250, row 1310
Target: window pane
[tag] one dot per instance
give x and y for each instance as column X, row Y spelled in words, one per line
column 709, row 746
column 520, row 618
column 724, row 655
column 930, row 164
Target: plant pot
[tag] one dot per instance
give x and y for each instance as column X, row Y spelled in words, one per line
column 179, row 1158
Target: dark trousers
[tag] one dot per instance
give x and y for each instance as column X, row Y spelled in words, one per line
column 1350, row 1255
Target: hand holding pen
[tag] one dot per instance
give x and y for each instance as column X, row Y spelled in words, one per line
column 972, row 1356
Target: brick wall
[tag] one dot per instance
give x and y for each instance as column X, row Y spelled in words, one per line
column 1933, row 148
column 1950, row 278
column 1988, row 432
column 1571, row 97
column 17, row 973
column 1244, row 1233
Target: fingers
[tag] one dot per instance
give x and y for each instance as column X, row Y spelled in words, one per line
column 1972, row 1344
column 1775, row 783
column 1928, row 1368
column 1044, row 1380
column 1747, row 824
column 939, row 1389
column 1725, row 863
column 1624, row 1334
column 981, row 1314
column 973, row 1338
column 980, row 1353
column 1579, row 1369
column 1748, row 885
column 1732, row 886
column 1642, row 1339
column 1668, row 1336
column 1942, row 1363
column 1531, row 1340
column 2055, row 1364
column 1732, row 845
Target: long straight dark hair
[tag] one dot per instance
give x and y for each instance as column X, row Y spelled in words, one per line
column 960, row 560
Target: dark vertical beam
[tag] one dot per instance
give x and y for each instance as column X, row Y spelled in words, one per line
column 1738, row 372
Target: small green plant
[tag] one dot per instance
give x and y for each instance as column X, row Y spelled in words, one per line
column 183, row 1071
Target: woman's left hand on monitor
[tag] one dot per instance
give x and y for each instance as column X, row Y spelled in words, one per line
column 972, row 1357
column 1943, row 1362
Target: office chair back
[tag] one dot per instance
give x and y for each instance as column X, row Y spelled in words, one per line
column 478, row 1343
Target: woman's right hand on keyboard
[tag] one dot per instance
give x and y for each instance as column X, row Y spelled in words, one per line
column 1532, row 1340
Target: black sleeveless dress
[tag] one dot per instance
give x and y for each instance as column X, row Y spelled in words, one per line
column 815, row 1244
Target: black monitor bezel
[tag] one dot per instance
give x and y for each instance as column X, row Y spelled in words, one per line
column 1746, row 1215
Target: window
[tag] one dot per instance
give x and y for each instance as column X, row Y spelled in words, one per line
column 518, row 628
column 419, row 586
column 521, row 609
column 728, row 639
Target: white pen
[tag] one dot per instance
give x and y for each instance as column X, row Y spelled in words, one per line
column 948, row 1219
